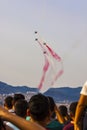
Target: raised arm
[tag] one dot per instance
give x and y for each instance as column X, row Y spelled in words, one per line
column 18, row 121
column 82, row 103
column 59, row 115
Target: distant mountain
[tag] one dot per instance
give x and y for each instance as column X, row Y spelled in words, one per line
column 7, row 89
column 63, row 94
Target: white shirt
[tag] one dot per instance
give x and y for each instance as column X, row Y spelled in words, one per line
column 12, row 126
column 84, row 89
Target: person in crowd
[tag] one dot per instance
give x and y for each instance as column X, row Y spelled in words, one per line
column 72, row 110
column 16, row 97
column 54, row 124
column 8, row 103
column 21, row 123
column 20, row 109
column 55, row 110
column 39, row 109
column 82, row 104
column 64, row 111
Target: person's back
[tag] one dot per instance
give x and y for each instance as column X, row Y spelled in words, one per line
column 54, row 125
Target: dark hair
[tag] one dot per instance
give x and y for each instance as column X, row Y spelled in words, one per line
column 51, row 106
column 21, row 107
column 8, row 102
column 2, row 125
column 39, row 107
column 51, row 103
column 17, row 97
column 63, row 110
column 72, row 107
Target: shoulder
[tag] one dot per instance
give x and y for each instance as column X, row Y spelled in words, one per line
column 54, row 125
column 84, row 89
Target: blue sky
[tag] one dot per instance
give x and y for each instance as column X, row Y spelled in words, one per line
column 63, row 24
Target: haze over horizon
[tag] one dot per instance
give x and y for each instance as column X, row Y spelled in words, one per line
column 63, row 24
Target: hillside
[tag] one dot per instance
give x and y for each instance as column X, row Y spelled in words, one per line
column 63, row 94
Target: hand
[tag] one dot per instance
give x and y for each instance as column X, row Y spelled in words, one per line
column 3, row 112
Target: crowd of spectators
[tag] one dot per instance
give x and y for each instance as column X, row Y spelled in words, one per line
column 40, row 112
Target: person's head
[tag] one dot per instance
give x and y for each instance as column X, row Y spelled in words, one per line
column 39, row 107
column 21, row 107
column 8, row 102
column 63, row 110
column 17, row 97
column 72, row 109
column 51, row 106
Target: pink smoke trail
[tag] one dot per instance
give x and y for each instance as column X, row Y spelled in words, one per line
column 51, row 59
